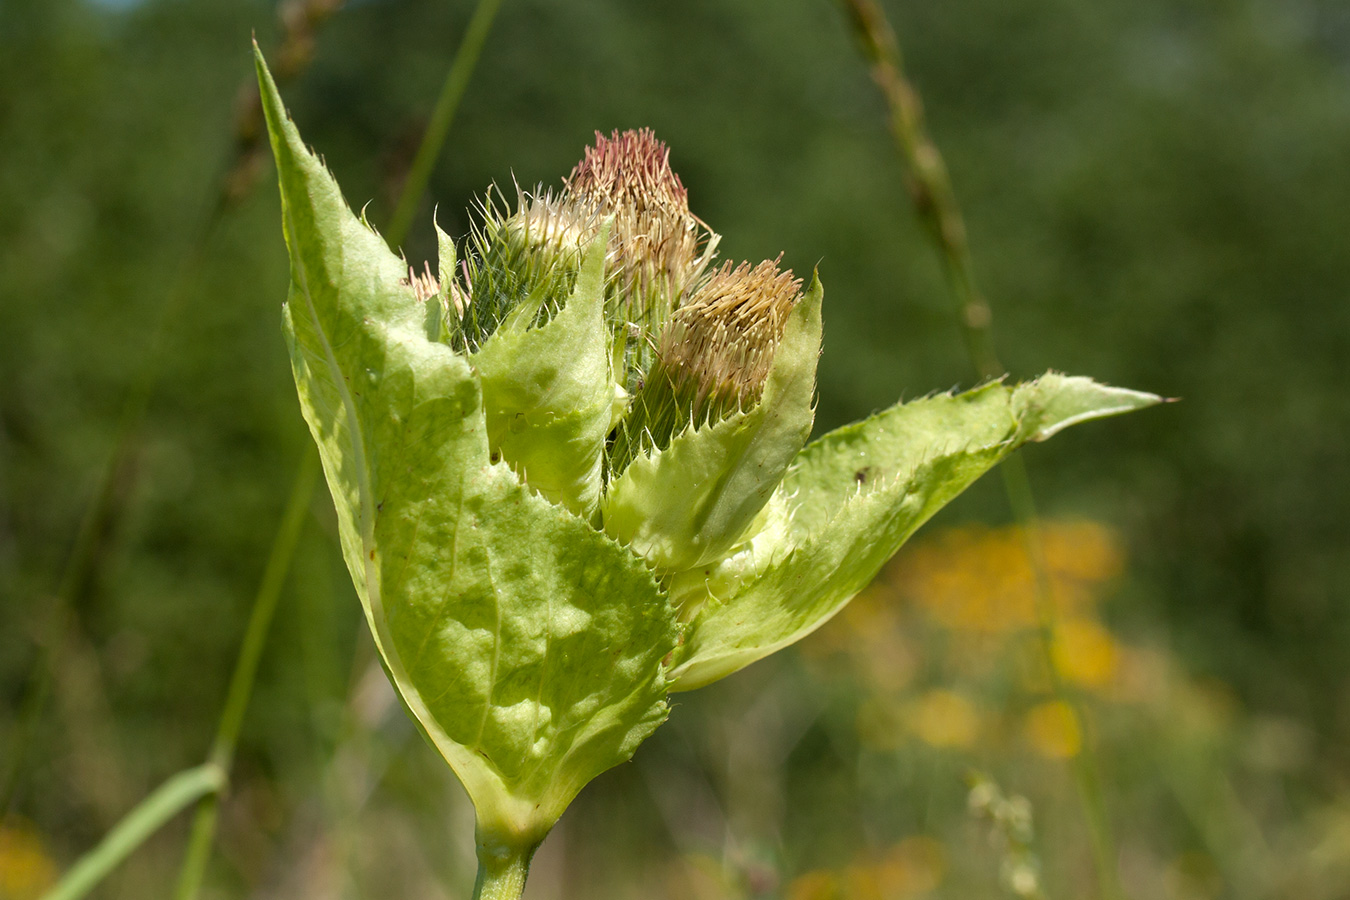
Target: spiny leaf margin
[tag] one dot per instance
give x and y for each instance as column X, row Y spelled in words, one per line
column 854, row 497
column 434, row 534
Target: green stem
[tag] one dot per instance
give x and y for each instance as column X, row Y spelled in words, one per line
column 169, row 799
column 502, row 873
column 246, row 669
column 433, row 141
column 940, row 213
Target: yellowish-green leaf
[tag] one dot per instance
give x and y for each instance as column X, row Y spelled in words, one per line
column 853, row 497
column 525, row 644
column 549, row 392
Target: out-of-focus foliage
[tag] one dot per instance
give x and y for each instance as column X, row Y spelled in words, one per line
column 1157, row 197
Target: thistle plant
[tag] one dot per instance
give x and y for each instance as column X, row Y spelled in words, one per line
column 572, row 472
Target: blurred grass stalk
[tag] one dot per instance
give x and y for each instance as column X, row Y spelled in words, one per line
column 151, row 814
column 238, row 176
column 198, row 852
column 205, row 784
column 938, row 210
column 99, row 516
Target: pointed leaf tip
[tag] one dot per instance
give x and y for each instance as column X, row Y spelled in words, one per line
column 1054, row 402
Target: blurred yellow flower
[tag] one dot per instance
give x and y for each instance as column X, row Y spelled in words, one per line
column 26, row 871
column 944, row 719
column 1083, row 550
column 1052, row 730
column 815, row 885
column 976, row 578
column 939, row 718
column 912, row 868
column 1085, row 653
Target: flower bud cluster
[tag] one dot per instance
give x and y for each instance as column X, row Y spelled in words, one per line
column 691, row 345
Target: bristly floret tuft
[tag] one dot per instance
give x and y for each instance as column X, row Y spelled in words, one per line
column 526, row 258
column 713, row 357
column 658, row 248
column 630, row 168
column 721, row 343
column 425, row 287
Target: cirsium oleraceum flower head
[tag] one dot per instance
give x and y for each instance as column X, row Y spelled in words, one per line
column 572, row 470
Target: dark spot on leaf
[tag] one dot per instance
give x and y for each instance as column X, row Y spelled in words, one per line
column 495, row 457
column 379, row 507
column 372, row 554
column 862, row 475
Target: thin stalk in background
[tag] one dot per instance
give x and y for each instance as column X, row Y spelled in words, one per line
column 198, row 851
column 935, row 201
column 97, row 521
column 300, row 20
column 206, row 783
column 165, row 802
column 245, row 671
column 442, row 116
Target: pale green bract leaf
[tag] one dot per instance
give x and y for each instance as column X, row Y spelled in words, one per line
column 549, row 392
column 445, row 260
column 851, row 499
column 692, row 502
column 1054, row 401
column 441, row 307
column 526, row 645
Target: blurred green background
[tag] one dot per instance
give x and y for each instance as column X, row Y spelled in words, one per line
column 1158, row 196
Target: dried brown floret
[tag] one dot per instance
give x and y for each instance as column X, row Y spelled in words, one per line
column 722, row 341
column 658, row 246
column 712, row 358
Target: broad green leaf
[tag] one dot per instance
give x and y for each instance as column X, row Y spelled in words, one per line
column 692, row 502
column 549, row 391
column 525, row 644
column 855, row 496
